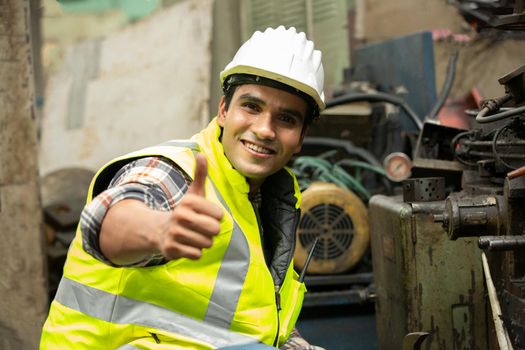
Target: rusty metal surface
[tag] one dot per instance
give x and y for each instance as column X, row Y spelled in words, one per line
column 473, row 216
column 23, row 305
column 424, row 281
column 424, row 189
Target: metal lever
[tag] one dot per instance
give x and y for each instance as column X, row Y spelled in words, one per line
column 502, row 242
column 412, row 341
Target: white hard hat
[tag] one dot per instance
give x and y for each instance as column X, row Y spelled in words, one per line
column 282, row 55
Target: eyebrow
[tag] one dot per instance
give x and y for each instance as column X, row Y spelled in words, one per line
column 251, row 98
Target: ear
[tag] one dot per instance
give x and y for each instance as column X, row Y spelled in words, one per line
column 221, row 116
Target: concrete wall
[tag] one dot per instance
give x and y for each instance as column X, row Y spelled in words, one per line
column 382, row 19
column 23, row 304
column 142, row 85
column 226, row 41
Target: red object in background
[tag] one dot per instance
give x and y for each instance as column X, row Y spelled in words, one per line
column 453, row 111
column 440, row 34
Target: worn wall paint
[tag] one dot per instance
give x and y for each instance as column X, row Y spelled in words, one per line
column 142, row 85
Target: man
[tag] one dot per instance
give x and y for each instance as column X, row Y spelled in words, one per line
column 189, row 244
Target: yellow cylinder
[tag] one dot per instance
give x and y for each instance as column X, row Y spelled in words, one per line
column 340, row 219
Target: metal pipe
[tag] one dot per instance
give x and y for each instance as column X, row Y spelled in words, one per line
column 501, row 332
column 501, row 242
column 490, row 155
column 516, row 173
column 489, row 143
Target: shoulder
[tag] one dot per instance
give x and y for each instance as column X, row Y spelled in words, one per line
column 155, row 169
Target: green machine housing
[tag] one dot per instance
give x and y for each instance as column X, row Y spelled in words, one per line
column 425, row 282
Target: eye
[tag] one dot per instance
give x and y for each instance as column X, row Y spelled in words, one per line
column 250, row 106
column 288, row 119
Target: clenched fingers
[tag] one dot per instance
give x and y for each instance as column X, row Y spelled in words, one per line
column 204, row 224
column 201, row 206
column 190, row 228
column 184, row 243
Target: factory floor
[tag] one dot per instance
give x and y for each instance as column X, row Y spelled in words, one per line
column 339, row 327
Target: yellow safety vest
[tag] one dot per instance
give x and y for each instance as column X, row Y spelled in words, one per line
column 228, row 297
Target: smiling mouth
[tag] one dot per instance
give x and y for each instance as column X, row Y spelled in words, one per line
column 257, row 149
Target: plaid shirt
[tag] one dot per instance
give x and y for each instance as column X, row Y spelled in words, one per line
column 156, row 182
column 160, row 184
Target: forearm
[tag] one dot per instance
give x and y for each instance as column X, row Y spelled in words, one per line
column 153, row 182
column 149, row 215
column 130, row 232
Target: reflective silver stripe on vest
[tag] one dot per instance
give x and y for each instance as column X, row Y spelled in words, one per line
column 187, row 144
column 231, row 275
column 234, row 265
column 127, row 347
column 122, row 310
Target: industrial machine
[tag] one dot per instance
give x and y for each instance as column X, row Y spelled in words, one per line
column 447, row 254
column 445, row 216
column 359, row 150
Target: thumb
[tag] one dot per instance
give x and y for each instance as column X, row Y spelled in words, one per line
column 201, row 171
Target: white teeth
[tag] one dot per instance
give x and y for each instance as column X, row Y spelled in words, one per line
column 257, row 148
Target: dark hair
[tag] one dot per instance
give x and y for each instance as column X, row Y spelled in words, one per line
column 233, row 81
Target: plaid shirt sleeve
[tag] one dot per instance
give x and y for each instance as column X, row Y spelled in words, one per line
column 297, row 342
column 157, row 182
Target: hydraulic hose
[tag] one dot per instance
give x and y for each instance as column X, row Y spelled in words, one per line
column 447, row 86
column 491, row 106
column 377, row 97
column 323, row 170
column 366, row 166
column 344, row 144
column 498, row 116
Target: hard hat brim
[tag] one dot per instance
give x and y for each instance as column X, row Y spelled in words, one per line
column 243, row 69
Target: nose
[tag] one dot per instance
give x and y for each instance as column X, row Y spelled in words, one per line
column 263, row 127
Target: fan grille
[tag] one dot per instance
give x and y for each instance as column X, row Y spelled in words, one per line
column 332, row 225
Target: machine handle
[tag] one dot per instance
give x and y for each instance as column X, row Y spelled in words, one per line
column 308, row 258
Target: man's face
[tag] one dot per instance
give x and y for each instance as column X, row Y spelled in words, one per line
column 262, row 129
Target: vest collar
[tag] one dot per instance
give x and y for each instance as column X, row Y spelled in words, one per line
column 208, row 139
column 279, row 192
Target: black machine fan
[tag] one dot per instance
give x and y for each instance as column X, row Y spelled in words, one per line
column 339, row 219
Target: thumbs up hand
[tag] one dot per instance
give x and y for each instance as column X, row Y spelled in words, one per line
column 194, row 221
column 199, row 178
